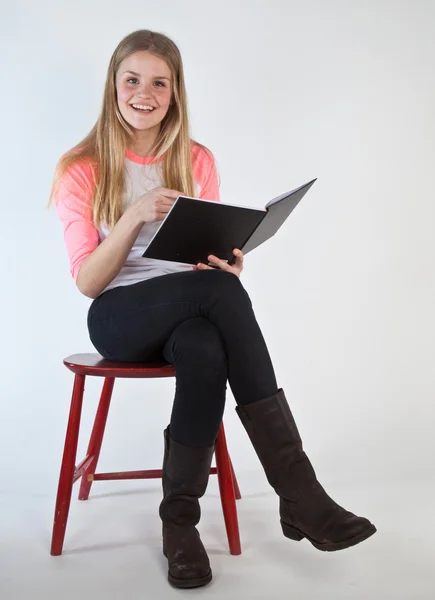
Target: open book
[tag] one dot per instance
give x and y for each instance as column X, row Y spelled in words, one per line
column 194, row 228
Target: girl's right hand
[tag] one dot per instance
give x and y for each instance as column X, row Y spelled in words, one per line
column 154, row 205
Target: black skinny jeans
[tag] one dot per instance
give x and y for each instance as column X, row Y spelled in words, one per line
column 203, row 323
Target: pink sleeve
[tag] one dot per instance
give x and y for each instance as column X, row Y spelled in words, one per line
column 205, row 173
column 73, row 198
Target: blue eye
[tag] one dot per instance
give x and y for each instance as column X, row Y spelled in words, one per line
column 160, row 83
column 132, row 79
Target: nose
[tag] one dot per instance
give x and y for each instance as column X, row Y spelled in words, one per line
column 145, row 89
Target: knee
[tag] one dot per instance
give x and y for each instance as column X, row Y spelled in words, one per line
column 228, row 285
column 199, row 342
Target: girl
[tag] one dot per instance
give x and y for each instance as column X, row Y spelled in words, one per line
column 111, row 192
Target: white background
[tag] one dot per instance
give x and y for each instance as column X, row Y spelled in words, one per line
column 281, row 92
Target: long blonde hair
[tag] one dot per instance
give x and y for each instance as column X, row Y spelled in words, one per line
column 104, row 147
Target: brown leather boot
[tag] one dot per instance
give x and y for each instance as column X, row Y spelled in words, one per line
column 306, row 510
column 185, row 476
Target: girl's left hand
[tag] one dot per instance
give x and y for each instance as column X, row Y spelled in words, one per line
column 236, row 268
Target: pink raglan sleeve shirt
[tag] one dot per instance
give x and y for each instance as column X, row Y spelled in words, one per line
column 73, row 199
column 205, row 173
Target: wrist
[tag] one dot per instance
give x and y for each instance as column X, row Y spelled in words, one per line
column 133, row 218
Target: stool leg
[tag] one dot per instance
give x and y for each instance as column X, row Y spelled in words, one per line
column 227, row 492
column 97, row 434
column 234, row 478
column 67, row 469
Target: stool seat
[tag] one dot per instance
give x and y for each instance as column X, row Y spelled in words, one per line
column 95, row 365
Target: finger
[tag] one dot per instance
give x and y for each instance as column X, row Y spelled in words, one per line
column 214, row 259
column 164, row 200
column 220, row 263
column 239, row 257
column 167, row 193
column 165, row 207
column 204, row 267
column 163, row 210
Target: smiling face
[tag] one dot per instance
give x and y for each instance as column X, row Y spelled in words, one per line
column 144, row 91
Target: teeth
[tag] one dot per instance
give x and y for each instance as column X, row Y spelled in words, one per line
column 142, row 107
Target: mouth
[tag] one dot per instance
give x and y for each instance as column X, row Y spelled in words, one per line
column 143, row 108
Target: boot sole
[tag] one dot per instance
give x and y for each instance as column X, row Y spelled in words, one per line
column 293, row 533
column 188, row 583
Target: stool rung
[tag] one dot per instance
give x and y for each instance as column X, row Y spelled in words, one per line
column 151, row 474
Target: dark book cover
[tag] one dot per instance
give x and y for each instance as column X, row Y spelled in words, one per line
column 194, row 228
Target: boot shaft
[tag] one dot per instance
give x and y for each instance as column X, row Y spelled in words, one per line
column 275, row 437
column 185, row 476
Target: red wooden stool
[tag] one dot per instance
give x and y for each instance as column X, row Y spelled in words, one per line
column 94, row 365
